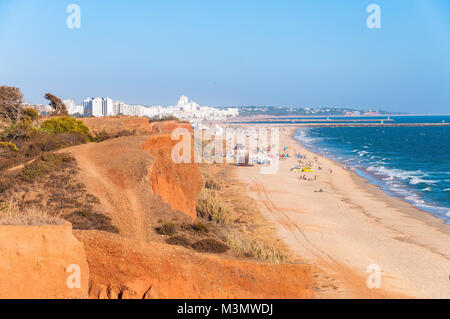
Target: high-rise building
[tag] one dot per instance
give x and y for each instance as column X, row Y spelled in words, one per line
column 72, row 107
column 98, row 107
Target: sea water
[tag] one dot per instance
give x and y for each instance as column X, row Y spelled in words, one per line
column 412, row 163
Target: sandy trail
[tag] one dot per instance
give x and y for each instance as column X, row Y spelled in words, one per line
column 352, row 225
column 116, row 191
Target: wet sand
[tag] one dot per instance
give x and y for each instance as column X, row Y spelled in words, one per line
column 350, row 226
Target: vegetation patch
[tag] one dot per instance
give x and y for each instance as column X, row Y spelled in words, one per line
column 43, row 165
column 167, row 228
column 211, row 207
column 65, row 124
column 163, row 118
column 210, row 182
column 30, row 113
column 235, row 219
column 200, row 227
column 8, row 147
column 179, row 240
column 11, row 215
column 255, row 249
column 210, row 245
column 5, row 183
column 102, row 136
column 86, row 219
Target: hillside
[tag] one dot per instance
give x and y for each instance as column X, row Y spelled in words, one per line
column 135, row 213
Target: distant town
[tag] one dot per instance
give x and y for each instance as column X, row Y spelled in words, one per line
column 188, row 110
column 185, row 110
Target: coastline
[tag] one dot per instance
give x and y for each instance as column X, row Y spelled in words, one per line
column 351, row 225
column 393, row 200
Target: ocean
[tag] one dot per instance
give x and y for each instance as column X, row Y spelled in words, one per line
column 412, row 163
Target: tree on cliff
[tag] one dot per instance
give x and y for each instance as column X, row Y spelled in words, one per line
column 11, row 102
column 59, row 108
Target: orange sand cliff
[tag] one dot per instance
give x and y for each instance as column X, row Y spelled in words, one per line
column 138, row 186
column 177, row 184
column 34, row 261
column 152, row 270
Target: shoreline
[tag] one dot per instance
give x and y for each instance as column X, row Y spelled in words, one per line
column 378, row 191
column 352, row 225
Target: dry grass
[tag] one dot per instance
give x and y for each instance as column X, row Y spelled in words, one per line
column 247, row 232
column 247, row 247
column 11, row 215
column 210, row 206
column 167, row 228
column 49, row 184
column 210, row 182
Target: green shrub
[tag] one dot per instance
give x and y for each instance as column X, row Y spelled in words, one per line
column 209, row 206
column 65, row 124
column 23, row 129
column 3, row 207
column 31, row 113
column 8, row 146
column 167, row 228
column 100, row 137
column 201, row 228
column 163, row 118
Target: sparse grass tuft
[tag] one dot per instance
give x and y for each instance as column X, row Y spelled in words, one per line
column 255, row 249
column 200, row 227
column 43, row 165
column 210, row 182
column 11, row 215
column 167, row 228
column 5, row 183
column 211, row 207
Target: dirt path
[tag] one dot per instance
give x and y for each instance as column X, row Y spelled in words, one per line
column 128, row 214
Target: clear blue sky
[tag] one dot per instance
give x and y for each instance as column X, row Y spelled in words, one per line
column 288, row 53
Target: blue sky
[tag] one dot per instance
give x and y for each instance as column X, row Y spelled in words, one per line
column 288, row 53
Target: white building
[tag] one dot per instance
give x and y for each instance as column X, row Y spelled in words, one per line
column 98, row 107
column 72, row 107
column 184, row 110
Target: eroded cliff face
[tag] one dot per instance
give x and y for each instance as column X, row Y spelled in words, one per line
column 153, row 271
column 40, row 261
column 179, row 185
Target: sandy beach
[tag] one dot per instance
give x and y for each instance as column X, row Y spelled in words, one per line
column 352, row 227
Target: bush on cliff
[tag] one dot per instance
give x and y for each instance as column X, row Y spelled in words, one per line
column 211, row 207
column 31, row 113
column 8, row 147
column 23, row 129
column 167, row 228
column 65, row 124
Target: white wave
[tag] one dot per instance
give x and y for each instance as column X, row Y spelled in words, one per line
column 362, row 153
column 416, row 180
column 392, row 174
